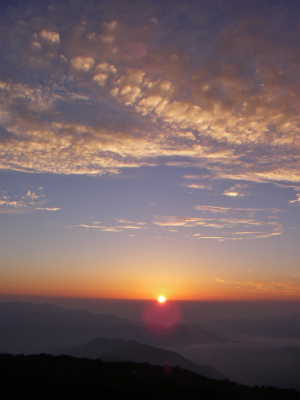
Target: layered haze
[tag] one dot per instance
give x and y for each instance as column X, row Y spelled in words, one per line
column 256, row 344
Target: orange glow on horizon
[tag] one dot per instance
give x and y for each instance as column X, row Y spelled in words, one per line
column 86, row 286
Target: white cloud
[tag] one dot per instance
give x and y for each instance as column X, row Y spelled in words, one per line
column 235, row 191
column 48, row 208
column 105, row 67
column 192, row 176
column 297, row 200
column 82, row 63
column 197, row 186
column 100, row 79
column 50, row 37
column 102, row 72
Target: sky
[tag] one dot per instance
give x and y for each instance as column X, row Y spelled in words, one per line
column 150, row 148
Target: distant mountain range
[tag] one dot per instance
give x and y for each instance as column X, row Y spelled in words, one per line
column 32, row 329
column 256, row 351
column 281, row 327
column 122, row 350
column 29, row 328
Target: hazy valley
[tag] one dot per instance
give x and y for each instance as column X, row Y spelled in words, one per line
column 252, row 351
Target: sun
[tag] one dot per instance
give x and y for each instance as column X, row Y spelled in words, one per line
column 161, row 299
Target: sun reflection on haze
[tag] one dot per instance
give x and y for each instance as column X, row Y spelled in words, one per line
column 161, row 320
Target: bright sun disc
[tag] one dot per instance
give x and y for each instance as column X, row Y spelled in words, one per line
column 161, row 299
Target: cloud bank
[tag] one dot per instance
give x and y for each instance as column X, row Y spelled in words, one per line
column 98, row 100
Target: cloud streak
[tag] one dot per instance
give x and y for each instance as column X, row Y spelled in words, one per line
column 125, row 225
column 265, row 287
column 247, row 223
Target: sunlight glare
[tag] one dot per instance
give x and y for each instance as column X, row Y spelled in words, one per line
column 161, row 299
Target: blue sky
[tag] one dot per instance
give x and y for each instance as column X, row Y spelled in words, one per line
column 150, row 148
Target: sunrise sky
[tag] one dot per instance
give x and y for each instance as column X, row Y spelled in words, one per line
column 150, row 148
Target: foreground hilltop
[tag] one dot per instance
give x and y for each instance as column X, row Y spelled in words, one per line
column 64, row 377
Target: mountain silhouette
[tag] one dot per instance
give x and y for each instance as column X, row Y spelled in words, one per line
column 64, row 377
column 28, row 328
column 122, row 350
column 159, row 335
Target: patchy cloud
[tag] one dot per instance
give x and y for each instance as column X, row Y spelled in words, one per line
column 31, row 200
column 229, row 111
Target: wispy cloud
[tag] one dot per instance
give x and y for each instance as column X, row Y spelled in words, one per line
column 265, row 287
column 297, row 200
column 198, row 186
column 246, row 220
column 126, row 224
column 126, row 221
column 232, row 210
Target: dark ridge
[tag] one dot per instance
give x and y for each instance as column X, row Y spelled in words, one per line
column 64, row 377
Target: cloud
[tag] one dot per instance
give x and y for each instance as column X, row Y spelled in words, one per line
column 227, row 210
column 265, row 287
column 132, row 227
column 18, row 99
column 192, row 176
column 125, row 221
column 297, row 200
column 48, row 208
column 197, row 186
column 126, row 224
column 100, row 228
column 234, row 223
column 150, row 100
column 82, row 63
column 111, row 26
column 208, row 222
column 32, row 200
column 103, row 70
column 235, row 191
column 50, row 37
column 110, row 229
